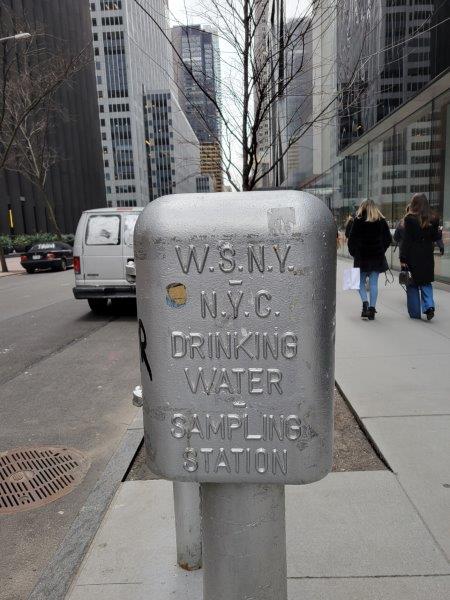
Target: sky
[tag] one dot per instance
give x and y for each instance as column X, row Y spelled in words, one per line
column 177, row 7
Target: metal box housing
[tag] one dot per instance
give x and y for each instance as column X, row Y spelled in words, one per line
column 236, row 307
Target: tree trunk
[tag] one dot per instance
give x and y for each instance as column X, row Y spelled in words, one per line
column 51, row 213
column 246, row 100
column 3, row 260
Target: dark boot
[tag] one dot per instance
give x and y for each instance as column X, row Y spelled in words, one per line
column 430, row 314
column 371, row 313
column 364, row 312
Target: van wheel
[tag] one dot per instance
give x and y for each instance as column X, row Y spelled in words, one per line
column 98, row 305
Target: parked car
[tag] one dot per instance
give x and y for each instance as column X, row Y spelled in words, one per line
column 103, row 248
column 56, row 256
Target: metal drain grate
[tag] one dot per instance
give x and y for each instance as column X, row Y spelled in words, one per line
column 33, row 477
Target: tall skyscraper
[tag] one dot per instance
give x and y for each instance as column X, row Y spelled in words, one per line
column 173, row 156
column 198, row 47
column 133, row 61
column 299, row 102
column 270, row 73
column 75, row 183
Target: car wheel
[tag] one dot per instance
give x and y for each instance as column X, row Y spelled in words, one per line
column 98, row 305
column 63, row 266
column 30, row 270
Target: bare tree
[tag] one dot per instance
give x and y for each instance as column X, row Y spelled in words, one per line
column 255, row 134
column 258, row 46
column 31, row 76
column 32, row 154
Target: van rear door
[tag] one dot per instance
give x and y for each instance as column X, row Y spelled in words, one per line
column 102, row 250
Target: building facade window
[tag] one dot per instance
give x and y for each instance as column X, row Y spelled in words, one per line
column 122, row 148
column 113, row 5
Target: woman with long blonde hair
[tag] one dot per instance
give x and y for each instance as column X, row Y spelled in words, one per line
column 368, row 241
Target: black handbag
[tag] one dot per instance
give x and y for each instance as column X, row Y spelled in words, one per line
column 405, row 278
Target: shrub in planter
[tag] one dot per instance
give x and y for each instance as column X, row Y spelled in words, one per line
column 69, row 238
column 6, row 244
column 21, row 243
column 42, row 238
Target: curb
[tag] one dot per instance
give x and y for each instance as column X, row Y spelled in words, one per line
column 65, row 563
column 9, row 273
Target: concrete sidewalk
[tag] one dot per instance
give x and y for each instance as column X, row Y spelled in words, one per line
column 375, row 535
column 395, row 372
column 14, row 267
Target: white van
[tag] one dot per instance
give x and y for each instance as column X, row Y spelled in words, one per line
column 102, row 250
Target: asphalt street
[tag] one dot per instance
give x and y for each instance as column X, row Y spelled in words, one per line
column 66, row 378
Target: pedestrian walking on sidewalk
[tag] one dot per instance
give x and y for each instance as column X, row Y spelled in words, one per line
column 369, row 238
column 421, row 231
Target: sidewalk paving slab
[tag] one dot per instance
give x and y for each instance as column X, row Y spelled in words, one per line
column 396, row 385
column 348, row 525
column 14, row 267
column 357, row 524
column 369, row 588
column 418, row 450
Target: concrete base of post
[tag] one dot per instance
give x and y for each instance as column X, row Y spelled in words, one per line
column 244, row 542
column 188, row 527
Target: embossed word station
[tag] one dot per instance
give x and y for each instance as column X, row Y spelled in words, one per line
column 236, row 299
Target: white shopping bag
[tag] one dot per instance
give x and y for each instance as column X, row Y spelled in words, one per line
column 351, row 279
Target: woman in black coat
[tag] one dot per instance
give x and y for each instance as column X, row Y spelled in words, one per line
column 420, row 233
column 369, row 238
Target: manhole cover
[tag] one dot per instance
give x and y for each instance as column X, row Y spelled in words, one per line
column 33, row 477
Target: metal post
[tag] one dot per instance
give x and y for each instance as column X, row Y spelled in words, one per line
column 188, row 525
column 244, row 542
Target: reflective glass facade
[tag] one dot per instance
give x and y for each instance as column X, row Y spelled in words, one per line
column 412, row 156
column 392, row 118
column 173, row 155
column 198, row 46
column 387, row 51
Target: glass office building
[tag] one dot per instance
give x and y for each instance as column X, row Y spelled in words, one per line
column 198, row 46
column 173, row 154
column 393, row 120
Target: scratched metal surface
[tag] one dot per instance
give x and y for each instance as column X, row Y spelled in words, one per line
column 236, row 301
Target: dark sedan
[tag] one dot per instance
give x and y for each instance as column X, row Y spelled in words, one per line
column 53, row 255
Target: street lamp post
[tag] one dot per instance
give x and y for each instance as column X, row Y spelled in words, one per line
column 17, row 37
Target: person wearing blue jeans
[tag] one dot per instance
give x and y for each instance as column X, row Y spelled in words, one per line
column 421, row 231
column 368, row 239
column 373, row 287
column 417, row 295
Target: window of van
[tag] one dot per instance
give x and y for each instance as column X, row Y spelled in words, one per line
column 128, row 228
column 103, row 230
